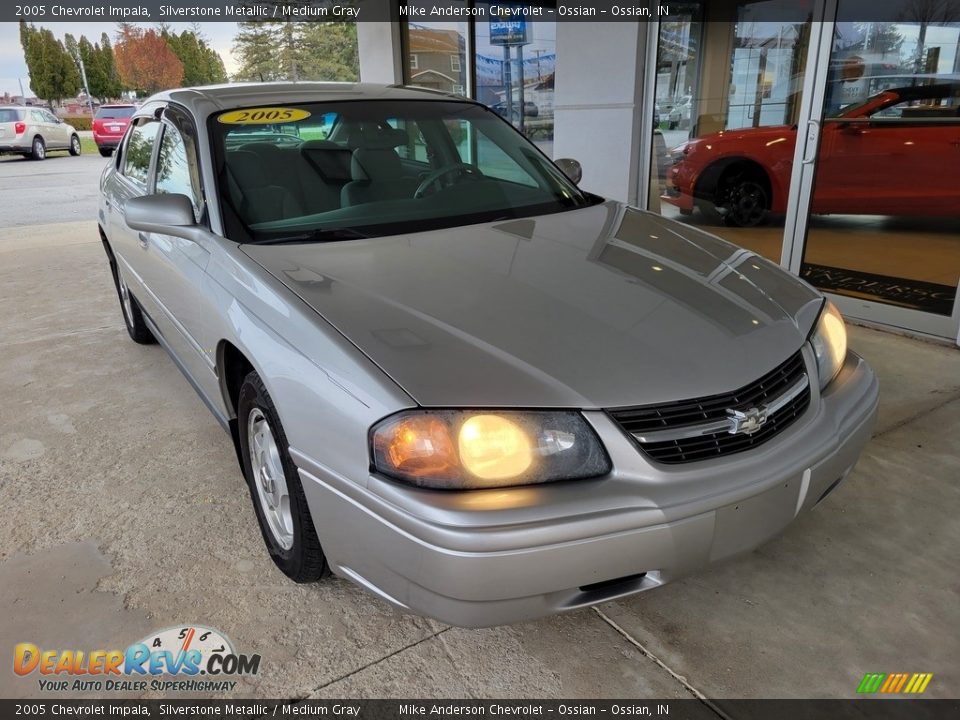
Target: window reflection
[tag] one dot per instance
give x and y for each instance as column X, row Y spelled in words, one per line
column 515, row 75
column 886, row 196
column 436, row 55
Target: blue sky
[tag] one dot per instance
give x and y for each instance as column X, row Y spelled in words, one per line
column 12, row 66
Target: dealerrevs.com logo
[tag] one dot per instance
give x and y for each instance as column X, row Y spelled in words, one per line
column 169, row 660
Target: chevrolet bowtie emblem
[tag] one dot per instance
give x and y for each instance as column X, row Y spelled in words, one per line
column 746, row 422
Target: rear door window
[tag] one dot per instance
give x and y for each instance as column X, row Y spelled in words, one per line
column 139, row 150
column 177, row 170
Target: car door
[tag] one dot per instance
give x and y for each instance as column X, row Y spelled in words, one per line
column 39, row 125
column 58, row 130
column 177, row 266
column 130, row 179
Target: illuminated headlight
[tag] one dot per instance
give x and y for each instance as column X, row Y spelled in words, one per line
column 468, row 449
column 829, row 340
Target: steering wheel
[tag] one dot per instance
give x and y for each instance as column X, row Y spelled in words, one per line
column 434, row 177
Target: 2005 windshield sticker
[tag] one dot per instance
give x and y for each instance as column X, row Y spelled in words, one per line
column 262, row 116
column 168, row 661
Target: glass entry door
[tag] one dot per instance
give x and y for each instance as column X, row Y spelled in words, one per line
column 824, row 135
column 729, row 84
column 883, row 234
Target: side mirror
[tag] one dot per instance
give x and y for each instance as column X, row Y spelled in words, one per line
column 162, row 214
column 571, row 168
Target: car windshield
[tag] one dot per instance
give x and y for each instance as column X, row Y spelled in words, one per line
column 9, row 115
column 340, row 170
column 109, row 113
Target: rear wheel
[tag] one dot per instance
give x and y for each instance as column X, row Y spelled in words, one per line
column 74, row 145
column 742, row 198
column 38, row 150
column 106, row 152
column 275, row 488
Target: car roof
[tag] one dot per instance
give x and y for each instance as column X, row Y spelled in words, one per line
column 109, row 105
column 237, row 95
column 921, row 92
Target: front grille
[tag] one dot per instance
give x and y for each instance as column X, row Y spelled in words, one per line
column 686, row 413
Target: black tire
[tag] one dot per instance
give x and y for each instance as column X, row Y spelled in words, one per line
column 132, row 314
column 742, row 198
column 38, row 150
column 303, row 561
column 106, row 152
column 75, row 145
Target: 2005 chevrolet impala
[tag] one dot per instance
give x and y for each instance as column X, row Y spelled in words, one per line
column 452, row 376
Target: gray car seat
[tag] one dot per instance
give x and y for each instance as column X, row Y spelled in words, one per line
column 258, row 197
column 375, row 169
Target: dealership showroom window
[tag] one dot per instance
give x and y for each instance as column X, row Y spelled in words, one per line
column 517, row 369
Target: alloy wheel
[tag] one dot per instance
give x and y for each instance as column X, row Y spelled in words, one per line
column 269, row 479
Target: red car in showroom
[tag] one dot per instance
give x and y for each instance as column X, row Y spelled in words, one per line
column 109, row 125
column 896, row 153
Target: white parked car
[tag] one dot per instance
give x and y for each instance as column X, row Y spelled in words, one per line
column 33, row 132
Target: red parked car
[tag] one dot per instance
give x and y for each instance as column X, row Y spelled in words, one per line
column 896, row 153
column 109, row 125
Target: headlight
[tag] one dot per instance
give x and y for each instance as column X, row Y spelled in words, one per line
column 829, row 340
column 468, row 449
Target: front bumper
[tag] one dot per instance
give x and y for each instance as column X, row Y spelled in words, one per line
column 492, row 557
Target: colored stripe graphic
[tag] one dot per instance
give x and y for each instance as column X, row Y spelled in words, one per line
column 907, row 683
column 871, row 682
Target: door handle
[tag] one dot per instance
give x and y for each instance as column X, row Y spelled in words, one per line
column 143, row 239
column 813, row 135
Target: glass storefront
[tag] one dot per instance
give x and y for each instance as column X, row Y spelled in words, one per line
column 436, row 55
column 885, row 213
column 876, row 196
column 508, row 66
column 825, row 143
column 727, row 97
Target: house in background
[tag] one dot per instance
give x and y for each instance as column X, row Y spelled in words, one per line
column 436, row 59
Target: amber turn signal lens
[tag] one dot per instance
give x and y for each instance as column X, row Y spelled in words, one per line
column 421, row 447
column 494, row 448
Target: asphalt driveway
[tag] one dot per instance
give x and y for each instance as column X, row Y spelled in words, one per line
column 124, row 512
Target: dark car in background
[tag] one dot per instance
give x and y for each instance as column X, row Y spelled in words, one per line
column 109, row 125
column 530, row 109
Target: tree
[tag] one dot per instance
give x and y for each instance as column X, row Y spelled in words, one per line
column 53, row 72
column 253, row 47
column 202, row 65
column 286, row 50
column 145, row 62
column 111, row 86
column 926, row 13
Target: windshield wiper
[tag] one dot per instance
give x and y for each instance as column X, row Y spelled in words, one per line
column 317, row 235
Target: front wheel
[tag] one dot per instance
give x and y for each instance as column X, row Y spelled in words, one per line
column 742, row 200
column 132, row 315
column 275, row 487
column 38, row 150
column 74, row 145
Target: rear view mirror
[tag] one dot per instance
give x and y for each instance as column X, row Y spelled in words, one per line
column 571, row 168
column 163, row 214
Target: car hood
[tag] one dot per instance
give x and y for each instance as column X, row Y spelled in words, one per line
column 599, row 307
column 787, row 133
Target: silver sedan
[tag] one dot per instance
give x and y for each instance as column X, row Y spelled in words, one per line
column 452, row 376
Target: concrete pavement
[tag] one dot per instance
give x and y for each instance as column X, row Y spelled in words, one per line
column 124, row 512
